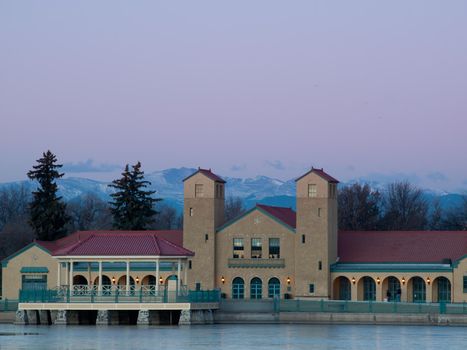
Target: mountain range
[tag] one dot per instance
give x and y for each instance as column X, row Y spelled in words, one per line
column 168, row 185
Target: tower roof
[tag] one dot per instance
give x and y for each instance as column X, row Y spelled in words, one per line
column 321, row 173
column 208, row 173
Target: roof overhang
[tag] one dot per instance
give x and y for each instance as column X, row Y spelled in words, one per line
column 391, row 267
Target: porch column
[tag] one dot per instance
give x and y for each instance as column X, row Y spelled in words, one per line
column 179, row 272
column 157, row 276
column 66, row 273
column 71, row 275
column 59, row 270
column 99, row 288
column 185, row 267
column 127, row 276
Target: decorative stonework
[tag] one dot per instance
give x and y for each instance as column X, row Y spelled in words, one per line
column 62, row 318
column 185, row 317
column 21, row 317
column 208, row 317
column 102, row 318
column 143, row 317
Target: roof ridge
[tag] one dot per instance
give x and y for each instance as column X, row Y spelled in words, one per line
column 155, row 239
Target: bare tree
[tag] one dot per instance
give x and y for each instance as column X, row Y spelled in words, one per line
column 89, row 212
column 456, row 218
column 233, row 208
column 359, row 208
column 14, row 204
column 405, row 207
column 436, row 221
column 167, row 218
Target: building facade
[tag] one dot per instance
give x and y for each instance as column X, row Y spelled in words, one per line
column 263, row 253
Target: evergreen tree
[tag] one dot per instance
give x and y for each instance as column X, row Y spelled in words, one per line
column 48, row 216
column 132, row 206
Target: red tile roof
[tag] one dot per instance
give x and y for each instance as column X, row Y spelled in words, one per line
column 401, row 246
column 119, row 243
column 208, row 173
column 321, row 173
column 286, row 215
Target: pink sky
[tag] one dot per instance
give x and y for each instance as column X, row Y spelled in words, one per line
column 244, row 87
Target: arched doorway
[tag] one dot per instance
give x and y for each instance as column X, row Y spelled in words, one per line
column 80, row 280
column 274, row 287
column 106, row 284
column 342, row 288
column 367, row 289
column 148, row 280
column 442, row 290
column 391, row 289
column 417, row 290
column 238, row 288
column 256, row 288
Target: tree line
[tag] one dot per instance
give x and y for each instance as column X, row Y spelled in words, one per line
column 400, row 206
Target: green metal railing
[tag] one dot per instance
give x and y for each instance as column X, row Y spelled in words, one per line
column 117, row 296
column 337, row 306
column 8, row 305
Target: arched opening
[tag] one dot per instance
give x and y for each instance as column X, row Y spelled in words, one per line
column 105, row 281
column 442, row 290
column 342, row 288
column 256, row 288
column 238, row 288
column 80, row 280
column 391, row 289
column 149, row 280
column 122, row 283
column 416, row 290
column 274, row 287
column 366, row 289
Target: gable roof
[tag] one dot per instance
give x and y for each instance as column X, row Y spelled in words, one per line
column 27, row 247
column 282, row 215
column 208, row 173
column 321, row 173
column 119, row 243
column 401, row 246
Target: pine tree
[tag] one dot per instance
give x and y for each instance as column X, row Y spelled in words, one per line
column 48, row 215
column 132, row 206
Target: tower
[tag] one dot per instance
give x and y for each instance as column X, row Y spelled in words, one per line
column 316, row 233
column 203, row 212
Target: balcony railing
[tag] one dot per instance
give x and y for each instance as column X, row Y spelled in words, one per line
column 256, row 263
column 117, row 294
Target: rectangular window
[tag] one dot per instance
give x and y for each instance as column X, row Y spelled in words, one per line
column 320, row 265
column 332, row 190
column 238, row 248
column 206, row 237
column 465, row 284
column 312, row 190
column 219, row 191
column 198, row 286
column 319, row 211
column 274, row 248
column 34, row 282
column 303, row 238
column 256, row 248
column 191, row 211
column 312, row 288
column 199, row 190
column 189, row 264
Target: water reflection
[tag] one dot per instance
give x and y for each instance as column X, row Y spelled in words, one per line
column 239, row 337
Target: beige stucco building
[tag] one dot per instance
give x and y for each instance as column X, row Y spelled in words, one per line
column 265, row 252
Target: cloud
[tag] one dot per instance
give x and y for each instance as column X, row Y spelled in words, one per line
column 276, row 164
column 238, row 167
column 437, row 176
column 89, row 166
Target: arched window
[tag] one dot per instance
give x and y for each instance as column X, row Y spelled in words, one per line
column 394, row 289
column 444, row 290
column 418, row 290
column 369, row 289
column 256, row 288
column 274, row 287
column 238, row 288
column 344, row 289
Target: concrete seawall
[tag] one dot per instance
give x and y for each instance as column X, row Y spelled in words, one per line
column 7, row 317
column 339, row 318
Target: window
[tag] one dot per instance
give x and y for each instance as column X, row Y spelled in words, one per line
column 199, row 191
column 256, row 288
column 312, row 190
column 34, row 282
column 238, row 248
column 274, row 287
column 256, row 248
column 206, row 237
column 418, row 290
column 369, row 289
column 320, row 265
column 198, row 286
column 319, row 211
column 312, row 288
column 444, row 290
column 238, row 288
column 274, row 248
column 191, row 211
column 189, row 264
column 332, row 190
column 465, row 284
column 219, row 191
column 303, row 238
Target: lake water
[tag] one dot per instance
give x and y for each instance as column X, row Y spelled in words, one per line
column 239, row 337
